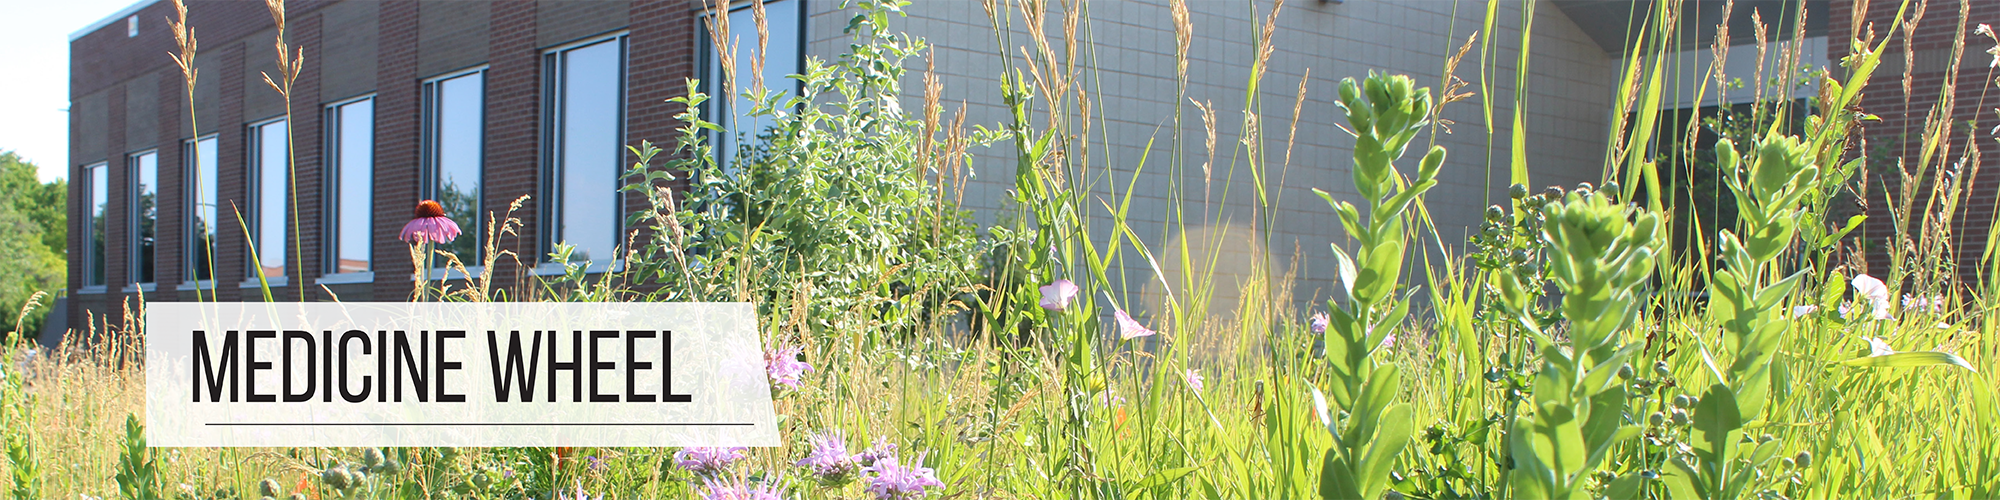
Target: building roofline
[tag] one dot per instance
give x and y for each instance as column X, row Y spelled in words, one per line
column 101, row 23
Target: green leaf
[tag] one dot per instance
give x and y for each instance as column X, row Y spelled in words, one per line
column 1391, row 435
column 1717, row 425
column 1911, row 359
column 1158, row 478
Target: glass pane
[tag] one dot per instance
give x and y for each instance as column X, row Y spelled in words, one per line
column 781, row 59
column 99, row 192
column 590, row 150
column 461, row 140
column 146, row 194
column 273, row 183
column 201, row 264
column 356, row 155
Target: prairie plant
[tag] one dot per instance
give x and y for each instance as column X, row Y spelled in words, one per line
column 1601, row 256
column 1386, row 113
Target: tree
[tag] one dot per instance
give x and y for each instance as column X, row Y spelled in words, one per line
column 34, row 232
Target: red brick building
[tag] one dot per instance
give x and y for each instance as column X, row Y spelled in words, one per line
column 475, row 103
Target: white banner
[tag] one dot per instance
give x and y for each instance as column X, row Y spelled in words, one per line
column 438, row 374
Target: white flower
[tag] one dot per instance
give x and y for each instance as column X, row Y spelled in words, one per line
column 1983, row 29
column 1876, row 347
column 1803, row 311
column 1868, row 287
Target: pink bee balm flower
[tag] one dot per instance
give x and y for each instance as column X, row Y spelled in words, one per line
column 430, row 225
column 888, row 479
column 1056, row 296
column 1319, row 322
column 1129, row 328
column 739, row 489
column 785, row 367
column 1194, row 379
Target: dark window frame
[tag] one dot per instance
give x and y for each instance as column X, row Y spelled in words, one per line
column 551, row 174
column 190, row 181
column 135, row 218
column 427, row 177
column 330, row 217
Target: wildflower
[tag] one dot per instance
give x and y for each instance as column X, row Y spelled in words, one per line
column 1803, row 311
column 580, row 495
column 738, row 490
column 890, row 480
column 1877, row 347
column 1129, row 328
column 881, row 449
column 1319, row 322
column 1056, row 296
column 1194, row 379
column 785, row 367
column 829, row 461
column 709, row 462
column 1868, row 287
column 1933, row 304
column 430, row 225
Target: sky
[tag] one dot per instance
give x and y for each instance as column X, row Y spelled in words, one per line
column 34, row 100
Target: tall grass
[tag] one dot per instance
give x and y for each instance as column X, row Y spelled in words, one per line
column 1567, row 350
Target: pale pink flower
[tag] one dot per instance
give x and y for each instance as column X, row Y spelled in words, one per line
column 1129, row 328
column 1803, row 311
column 1932, row 304
column 1877, row 347
column 1876, row 293
column 1194, row 379
column 1319, row 322
column 430, row 225
column 1057, row 296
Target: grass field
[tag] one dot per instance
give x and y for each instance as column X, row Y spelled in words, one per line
column 1583, row 344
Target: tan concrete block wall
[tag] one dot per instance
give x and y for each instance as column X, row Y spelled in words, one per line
column 1570, row 88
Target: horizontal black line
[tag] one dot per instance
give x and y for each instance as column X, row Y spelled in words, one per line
column 488, row 424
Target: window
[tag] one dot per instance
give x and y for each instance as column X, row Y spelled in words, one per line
column 586, row 111
column 200, row 161
column 351, row 155
column 784, row 56
column 454, row 154
column 145, row 213
column 96, row 189
column 270, row 180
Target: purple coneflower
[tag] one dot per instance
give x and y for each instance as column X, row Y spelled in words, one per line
column 829, row 461
column 890, row 480
column 430, row 225
column 785, row 367
column 709, row 462
column 1129, row 328
column 738, row 489
column 1056, row 296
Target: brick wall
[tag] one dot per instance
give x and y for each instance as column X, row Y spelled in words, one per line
column 1897, row 137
